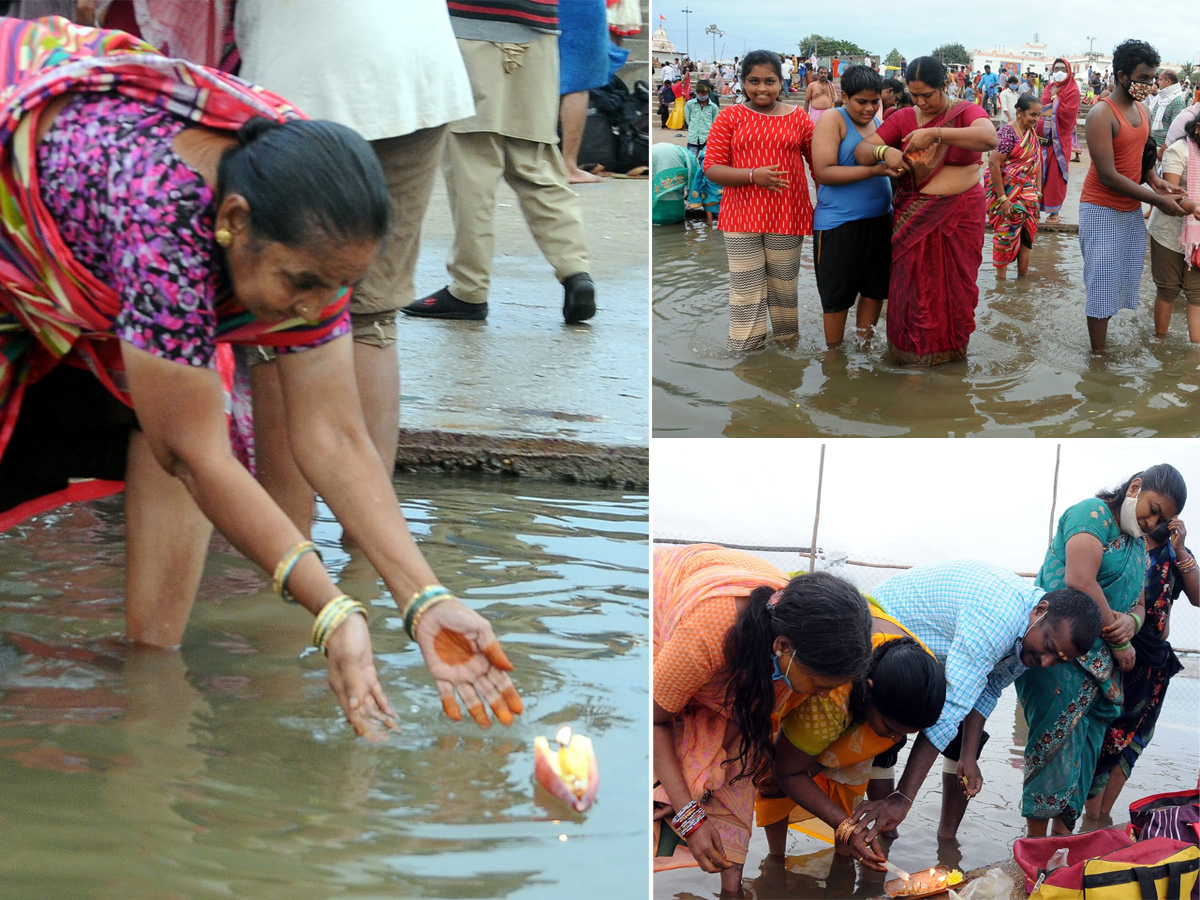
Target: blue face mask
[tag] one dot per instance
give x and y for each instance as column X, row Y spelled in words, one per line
column 778, row 675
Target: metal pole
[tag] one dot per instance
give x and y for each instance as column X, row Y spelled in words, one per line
column 687, row 38
column 812, row 549
column 1054, row 498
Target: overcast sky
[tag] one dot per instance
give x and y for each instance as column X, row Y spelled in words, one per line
column 777, row 26
column 912, row 501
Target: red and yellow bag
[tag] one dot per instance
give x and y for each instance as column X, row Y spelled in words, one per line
column 1107, row 865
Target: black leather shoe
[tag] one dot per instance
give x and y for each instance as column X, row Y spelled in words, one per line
column 579, row 298
column 444, row 305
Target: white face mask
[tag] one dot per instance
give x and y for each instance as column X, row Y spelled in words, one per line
column 1060, row 77
column 1129, row 523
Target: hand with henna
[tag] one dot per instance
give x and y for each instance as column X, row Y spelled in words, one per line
column 464, row 657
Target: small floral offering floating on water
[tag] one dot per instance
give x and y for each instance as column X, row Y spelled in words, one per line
column 924, row 884
column 569, row 771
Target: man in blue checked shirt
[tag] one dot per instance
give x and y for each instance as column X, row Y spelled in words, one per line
column 985, row 625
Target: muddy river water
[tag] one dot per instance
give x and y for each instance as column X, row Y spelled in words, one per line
column 1029, row 370
column 225, row 769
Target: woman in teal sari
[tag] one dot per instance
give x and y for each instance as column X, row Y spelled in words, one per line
column 1099, row 548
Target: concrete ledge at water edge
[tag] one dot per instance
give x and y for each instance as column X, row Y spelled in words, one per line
column 546, row 459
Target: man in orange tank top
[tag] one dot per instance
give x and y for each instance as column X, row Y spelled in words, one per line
column 1112, row 232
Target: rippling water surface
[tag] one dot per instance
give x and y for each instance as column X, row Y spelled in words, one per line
column 225, row 770
column 1029, row 371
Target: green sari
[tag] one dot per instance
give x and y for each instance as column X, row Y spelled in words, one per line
column 1069, row 706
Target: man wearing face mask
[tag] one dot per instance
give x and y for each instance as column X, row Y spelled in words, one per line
column 698, row 115
column 1112, row 232
column 1008, row 101
column 986, row 626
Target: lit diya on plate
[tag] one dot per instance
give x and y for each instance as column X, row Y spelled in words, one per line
column 925, row 883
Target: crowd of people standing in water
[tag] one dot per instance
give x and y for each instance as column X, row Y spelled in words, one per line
column 901, row 208
column 773, row 692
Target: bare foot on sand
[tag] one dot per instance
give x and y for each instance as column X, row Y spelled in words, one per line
column 579, row 176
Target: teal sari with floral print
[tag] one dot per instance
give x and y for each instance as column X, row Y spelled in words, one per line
column 1069, row 706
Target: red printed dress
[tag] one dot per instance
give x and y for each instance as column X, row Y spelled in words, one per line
column 744, row 138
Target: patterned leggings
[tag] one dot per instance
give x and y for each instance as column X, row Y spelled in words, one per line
column 763, row 274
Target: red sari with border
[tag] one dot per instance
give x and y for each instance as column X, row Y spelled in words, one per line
column 937, row 248
column 1060, row 128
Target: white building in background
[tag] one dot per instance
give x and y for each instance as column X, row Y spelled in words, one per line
column 661, row 46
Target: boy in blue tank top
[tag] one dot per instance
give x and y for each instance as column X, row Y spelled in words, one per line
column 852, row 224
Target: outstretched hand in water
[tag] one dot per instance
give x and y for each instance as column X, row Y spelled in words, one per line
column 464, row 657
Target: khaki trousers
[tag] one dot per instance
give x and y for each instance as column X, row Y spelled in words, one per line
column 409, row 162
column 475, row 163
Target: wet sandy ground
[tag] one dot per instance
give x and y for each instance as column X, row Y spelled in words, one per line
column 522, row 372
column 1029, row 371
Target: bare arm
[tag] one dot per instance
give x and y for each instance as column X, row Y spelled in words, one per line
column 980, row 136
column 181, row 412
column 996, row 160
column 333, row 449
column 893, row 159
column 1101, row 126
column 704, row 843
column 1084, row 555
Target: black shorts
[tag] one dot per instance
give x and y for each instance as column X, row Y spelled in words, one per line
column 854, row 258
column 954, row 748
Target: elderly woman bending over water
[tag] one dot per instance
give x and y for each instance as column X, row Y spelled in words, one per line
column 736, row 645
column 156, row 212
column 937, row 224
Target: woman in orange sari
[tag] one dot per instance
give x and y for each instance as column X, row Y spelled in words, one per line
column 938, row 216
column 826, row 747
column 734, row 642
column 1011, row 185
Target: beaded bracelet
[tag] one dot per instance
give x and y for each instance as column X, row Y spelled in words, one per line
column 688, row 819
column 419, row 606
column 905, row 796
column 283, row 571
column 331, row 617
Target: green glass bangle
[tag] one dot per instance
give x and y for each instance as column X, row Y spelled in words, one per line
column 1124, row 646
column 414, row 608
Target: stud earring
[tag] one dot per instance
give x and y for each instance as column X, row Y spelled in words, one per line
column 224, row 237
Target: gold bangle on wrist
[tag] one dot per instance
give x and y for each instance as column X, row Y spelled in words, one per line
column 331, row 617
column 411, row 622
column 283, row 570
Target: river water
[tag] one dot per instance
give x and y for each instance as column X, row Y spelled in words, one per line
column 1029, row 371
column 226, row 770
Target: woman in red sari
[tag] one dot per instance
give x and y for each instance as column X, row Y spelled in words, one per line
column 1011, row 185
column 1060, row 110
column 938, row 219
